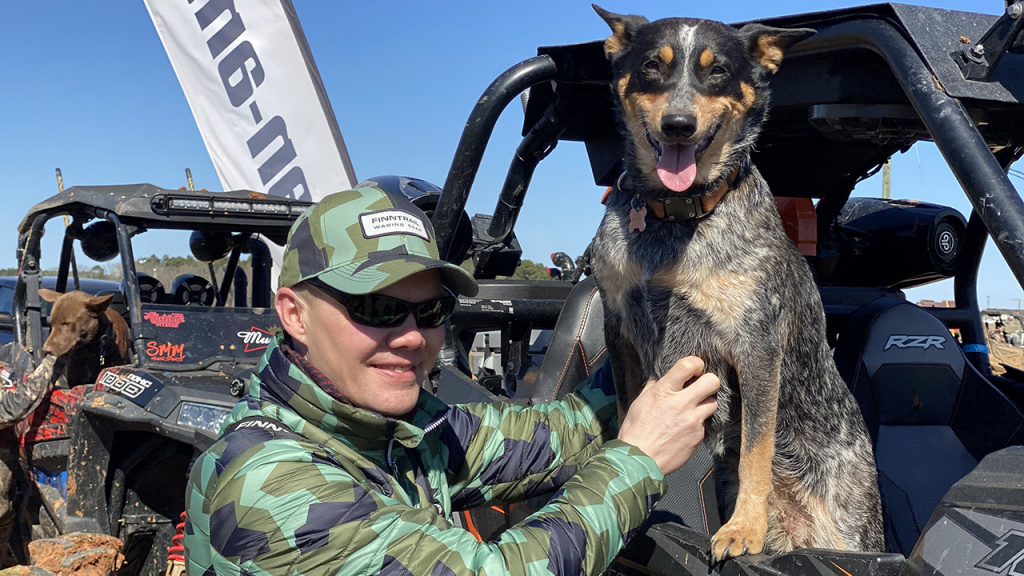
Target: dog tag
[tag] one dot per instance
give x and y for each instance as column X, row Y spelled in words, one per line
column 638, row 219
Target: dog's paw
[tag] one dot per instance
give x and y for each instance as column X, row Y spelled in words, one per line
column 738, row 537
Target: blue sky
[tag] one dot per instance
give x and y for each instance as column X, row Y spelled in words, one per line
column 88, row 88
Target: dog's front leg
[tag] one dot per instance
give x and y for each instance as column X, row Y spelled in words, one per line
column 627, row 374
column 758, row 377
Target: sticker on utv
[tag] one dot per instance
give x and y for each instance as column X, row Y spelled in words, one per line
column 139, row 387
column 1008, row 553
column 255, row 339
column 169, row 320
column 166, row 352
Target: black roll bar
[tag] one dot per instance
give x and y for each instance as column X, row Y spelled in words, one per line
column 28, row 290
column 131, row 281
column 982, row 178
column 474, row 140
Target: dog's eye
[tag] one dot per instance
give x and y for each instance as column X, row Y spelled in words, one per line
column 652, row 66
column 718, row 71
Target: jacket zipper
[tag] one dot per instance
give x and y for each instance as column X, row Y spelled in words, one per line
column 430, row 428
column 394, row 465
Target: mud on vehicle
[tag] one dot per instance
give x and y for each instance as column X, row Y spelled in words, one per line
column 113, row 458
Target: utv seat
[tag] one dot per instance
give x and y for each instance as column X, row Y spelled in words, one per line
column 575, row 352
column 931, row 415
column 576, row 349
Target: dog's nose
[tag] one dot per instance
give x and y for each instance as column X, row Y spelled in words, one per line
column 679, row 125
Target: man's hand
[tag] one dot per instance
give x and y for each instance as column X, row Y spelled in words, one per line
column 666, row 420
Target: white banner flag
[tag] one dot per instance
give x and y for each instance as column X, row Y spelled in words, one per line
column 256, row 95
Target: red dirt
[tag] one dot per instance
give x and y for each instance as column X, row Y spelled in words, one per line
column 77, row 554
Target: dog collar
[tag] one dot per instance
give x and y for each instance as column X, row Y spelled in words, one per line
column 676, row 208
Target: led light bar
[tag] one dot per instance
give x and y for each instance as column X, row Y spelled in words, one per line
column 268, row 208
column 189, row 204
column 167, row 204
column 231, row 206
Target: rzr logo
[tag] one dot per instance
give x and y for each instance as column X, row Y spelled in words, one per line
column 922, row 342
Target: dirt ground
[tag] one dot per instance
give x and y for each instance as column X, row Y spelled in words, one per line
column 77, row 554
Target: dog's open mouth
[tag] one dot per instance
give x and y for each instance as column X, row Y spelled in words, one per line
column 677, row 162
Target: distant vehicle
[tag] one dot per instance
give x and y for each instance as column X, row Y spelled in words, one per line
column 118, row 463
column 7, row 284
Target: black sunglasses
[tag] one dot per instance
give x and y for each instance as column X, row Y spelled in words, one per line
column 379, row 311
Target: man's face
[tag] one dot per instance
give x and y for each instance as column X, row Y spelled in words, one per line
column 379, row 369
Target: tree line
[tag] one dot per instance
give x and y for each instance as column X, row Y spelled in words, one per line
column 167, row 268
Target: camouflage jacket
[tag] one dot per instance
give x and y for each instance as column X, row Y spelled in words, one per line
column 22, row 387
column 317, row 487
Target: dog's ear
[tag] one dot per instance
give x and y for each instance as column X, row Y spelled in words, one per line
column 624, row 29
column 768, row 45
column 99, row 304
column 49, row 295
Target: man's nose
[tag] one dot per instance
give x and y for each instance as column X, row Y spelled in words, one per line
column 407, row 334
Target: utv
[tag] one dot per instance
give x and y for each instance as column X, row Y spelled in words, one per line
column 113, row 458
column 948, row 434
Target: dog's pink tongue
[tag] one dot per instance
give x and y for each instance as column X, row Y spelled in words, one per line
column 677, row 167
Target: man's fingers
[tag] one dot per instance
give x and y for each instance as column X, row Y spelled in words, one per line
column 684, row 370
column 705, row 386
column 706, row 407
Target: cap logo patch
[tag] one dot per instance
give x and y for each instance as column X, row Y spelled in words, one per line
column 388, row 222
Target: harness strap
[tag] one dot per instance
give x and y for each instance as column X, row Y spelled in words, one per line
column 107, row 340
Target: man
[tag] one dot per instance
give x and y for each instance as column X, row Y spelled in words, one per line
column 338, row 462
column 1000, row 334
column 22, row 389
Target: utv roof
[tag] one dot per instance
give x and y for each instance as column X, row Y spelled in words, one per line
column 148, row 206
column 935, row 34
column 838, row 109
column 870, row 83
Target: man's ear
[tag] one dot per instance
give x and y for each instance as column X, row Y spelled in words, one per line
column 291, row 310
column 624, row 29
column 768, row 45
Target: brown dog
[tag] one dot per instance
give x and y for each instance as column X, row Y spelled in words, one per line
column 86, row 334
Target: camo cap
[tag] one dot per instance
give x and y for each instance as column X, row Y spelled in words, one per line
column 364, row 240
